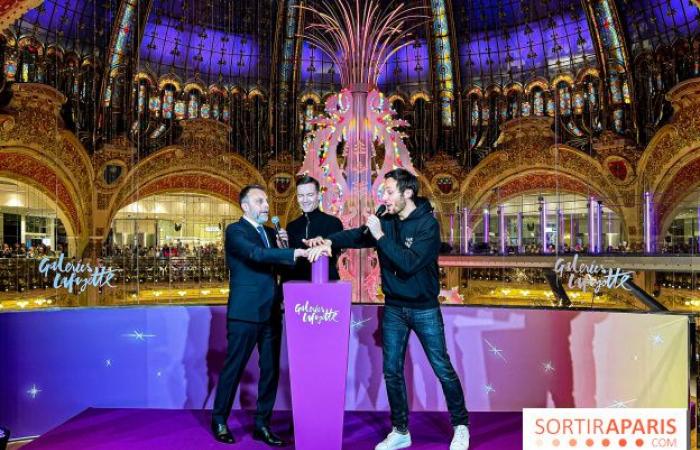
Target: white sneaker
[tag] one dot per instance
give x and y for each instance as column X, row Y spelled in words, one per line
column 394, row 441
column 460, row 441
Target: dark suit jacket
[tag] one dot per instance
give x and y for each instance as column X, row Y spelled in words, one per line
column 254, row 293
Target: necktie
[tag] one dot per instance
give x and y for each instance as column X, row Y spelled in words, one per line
column 263, row 236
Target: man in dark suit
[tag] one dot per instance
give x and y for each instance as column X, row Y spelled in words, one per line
column 312, row 223
column 254, row 314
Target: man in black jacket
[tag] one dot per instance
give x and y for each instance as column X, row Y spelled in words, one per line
column 407, row 239
column 312, row 223
column 254, row 313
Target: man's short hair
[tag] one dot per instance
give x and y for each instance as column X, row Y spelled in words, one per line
column 305, row 179
column 404, row 180
column 246, row 190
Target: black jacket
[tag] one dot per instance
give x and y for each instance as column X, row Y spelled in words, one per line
column 313, row 224
column 408, row 256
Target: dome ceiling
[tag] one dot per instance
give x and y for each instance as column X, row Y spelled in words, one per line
column 216, row 40
column 82, row 26
column 650, row 23
column 512, row 40
column 495, row 15
column 496, row 41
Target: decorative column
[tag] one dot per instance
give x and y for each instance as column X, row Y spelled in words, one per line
column 599, row 226
column 519, row 226
column 443, row 62
column 543, row 224
column 501, row 230
column 452, row 230
column 286, row 58
column 486, row 220
column 592, row 227
column 649, row 238
column 613, row 55
column 466, row 231
column 560, row 230
column 697, row 227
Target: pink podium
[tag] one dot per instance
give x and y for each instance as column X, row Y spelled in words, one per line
column 317, row 326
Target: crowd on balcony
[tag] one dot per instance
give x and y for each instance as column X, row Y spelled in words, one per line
column 176, row 249
column 39, row 251
column 623, row 248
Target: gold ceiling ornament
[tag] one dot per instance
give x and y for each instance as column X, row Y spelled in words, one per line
column 526, row 134
column 612, row 144
column 281, row 163
column 442, row 162
column 204, row 136
column 11, row 10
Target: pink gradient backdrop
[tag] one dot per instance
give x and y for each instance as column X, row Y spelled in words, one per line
column 170, row 357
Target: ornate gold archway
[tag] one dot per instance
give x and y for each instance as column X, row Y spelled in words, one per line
column 60, row 209
column 33, row 126
column 526, row 148
column 37, row 151
column 675, row 189
column 221, row 175
column 34, row 173
column 527, row 160
column 534, row 181
column 670, row 164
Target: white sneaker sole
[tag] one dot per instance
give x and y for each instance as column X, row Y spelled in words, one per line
column 459, row 447
column 397, row 447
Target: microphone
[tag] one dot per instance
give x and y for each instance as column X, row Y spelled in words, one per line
column 276, row 222
column 380, row 212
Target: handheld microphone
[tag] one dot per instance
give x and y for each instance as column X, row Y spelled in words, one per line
column 276, row 222
column 380, row 212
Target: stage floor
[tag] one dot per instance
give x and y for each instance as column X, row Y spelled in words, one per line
column 154, row 429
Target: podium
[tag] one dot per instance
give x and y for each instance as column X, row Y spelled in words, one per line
column 317, row 326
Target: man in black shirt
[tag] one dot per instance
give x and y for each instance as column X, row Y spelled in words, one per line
column 407, row 239
column 312, row 223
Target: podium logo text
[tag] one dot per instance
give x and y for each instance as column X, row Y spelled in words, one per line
column 315, row 314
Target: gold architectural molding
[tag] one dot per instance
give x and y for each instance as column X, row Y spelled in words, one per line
column 204, row 135
column 442, row 174
column 37, row 96
column 525, row 131
column 674, row 140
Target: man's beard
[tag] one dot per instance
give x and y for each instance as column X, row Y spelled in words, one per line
column 399, row 205
column 261, row 218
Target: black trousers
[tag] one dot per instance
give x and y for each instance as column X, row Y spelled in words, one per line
column 243, row 337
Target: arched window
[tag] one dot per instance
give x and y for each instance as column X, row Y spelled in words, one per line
column 168, row 101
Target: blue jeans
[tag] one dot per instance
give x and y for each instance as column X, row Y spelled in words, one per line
column 428, row 326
